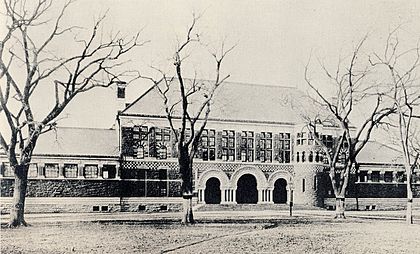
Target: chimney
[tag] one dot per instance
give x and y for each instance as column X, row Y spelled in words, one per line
column 121, row 100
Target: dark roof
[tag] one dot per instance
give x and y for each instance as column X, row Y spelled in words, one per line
column 375, row 152
column 232, row 101
column 78, row 142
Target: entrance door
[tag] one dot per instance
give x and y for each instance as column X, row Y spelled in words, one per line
column 212, row 193
column 280, row 193
column 246, row 192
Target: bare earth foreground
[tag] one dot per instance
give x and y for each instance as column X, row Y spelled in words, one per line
column 277, row 234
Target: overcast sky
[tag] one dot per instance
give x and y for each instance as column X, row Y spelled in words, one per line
column 275, row 38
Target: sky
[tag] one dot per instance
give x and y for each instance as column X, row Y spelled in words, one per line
column 274, row 39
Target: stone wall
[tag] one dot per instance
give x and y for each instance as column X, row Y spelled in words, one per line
column 91, row 188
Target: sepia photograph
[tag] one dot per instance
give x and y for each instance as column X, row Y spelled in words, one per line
column 158, row 126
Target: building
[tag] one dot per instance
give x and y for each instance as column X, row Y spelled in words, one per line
column 256, row 152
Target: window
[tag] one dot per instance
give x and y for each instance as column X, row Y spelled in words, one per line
column 33, row 170
column 7, row 170
column 51, row 170
column 228, row 145
column 401, row 177
column 266, row 147
column 388, row 177
column 328, row 141
column 311, row 156
column 247, row 146
column 317, row 158
column 140, row 135
column 303, row 185
column 121, row 92
column 284, row 155
column 109, row 171
column 363, row 176
column 310, row 139
column 159, row 139
column 70, row 170
column 162, row 152
column 303, row 157
column 163, row 176
column 208, row 143
column 374, row 176
column 297, row 157
column 315, row 182
column 91, row 171
column 301, row 138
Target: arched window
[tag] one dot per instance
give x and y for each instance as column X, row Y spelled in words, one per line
column 303, row 157
column 162, row 152
column 140, row 152
column 317, row 157
column 297, row 157
column 311, row 156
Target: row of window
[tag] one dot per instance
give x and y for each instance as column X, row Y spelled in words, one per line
column 304, row 138
column 142, row 141
column 52, row 170
column 310, row 157
column 388, row 176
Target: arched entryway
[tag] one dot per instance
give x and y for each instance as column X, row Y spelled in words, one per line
column 279, row 192
column 212, row 194
column 246, row 192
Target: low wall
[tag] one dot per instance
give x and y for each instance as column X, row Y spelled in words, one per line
column 94, row 204
column 373, row 203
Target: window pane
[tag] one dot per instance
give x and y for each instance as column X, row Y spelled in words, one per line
column 51, row 170
column 70, row 170
column 91, row 171
column 33, row 170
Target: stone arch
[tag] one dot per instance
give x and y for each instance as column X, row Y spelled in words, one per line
column 259, row 175
column 223, row 178
column 277, row 175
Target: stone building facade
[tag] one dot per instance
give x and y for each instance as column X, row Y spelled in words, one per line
column 255, row 152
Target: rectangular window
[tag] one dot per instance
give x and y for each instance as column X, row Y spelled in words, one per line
column 284, row 146
column 401, row 177
column 247, row 146
column 109, row 171
column 388, row 177
column 51, row 170
column 228, row 145
column 266, row 148
column 303, row 185
column 328, row 141
column 363, row 176
column 374, row 176
column 208, row 144
column 7, row 170
column 33, row 170
column 91, row 171
column 70, row 170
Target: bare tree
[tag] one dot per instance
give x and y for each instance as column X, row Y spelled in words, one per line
column 351, row 87
column 402, row 67
column 190, row 105
column 28, row 63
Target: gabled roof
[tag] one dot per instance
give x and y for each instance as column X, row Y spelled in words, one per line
column 232, row 101
column 69, row 141
column 375, row 152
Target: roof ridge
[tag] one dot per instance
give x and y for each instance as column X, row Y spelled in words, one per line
column 88, row 128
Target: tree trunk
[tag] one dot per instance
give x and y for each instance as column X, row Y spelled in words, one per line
column 187, row 212
column 18, row 205
column 185, row 165
column 339, row 208
column 409, row 213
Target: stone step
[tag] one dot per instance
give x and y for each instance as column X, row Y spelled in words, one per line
column 252, row 207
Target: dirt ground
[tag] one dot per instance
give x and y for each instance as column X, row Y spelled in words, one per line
column 275, row 235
